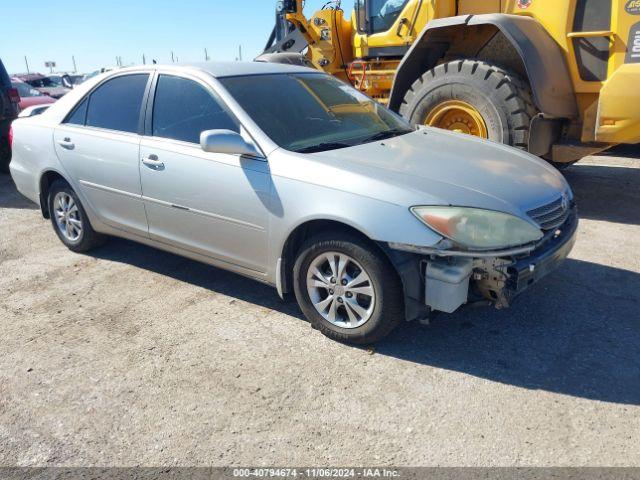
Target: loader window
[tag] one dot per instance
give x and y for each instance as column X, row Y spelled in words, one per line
column 592, row 53
column 382, row 19
column 313, row 112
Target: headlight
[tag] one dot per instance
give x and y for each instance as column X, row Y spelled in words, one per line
column 476, row 228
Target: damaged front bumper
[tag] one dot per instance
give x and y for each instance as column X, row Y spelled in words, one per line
column 501, row 281
column 449, row 279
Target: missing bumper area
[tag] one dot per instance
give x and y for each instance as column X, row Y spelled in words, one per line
column 450, row 282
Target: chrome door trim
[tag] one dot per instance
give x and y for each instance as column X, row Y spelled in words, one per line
column 203, row 213
column 109, row 189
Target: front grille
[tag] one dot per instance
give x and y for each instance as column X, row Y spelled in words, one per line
column 552, row 215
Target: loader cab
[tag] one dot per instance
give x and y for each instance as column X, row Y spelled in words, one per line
column 377, row 16
column 387, row 28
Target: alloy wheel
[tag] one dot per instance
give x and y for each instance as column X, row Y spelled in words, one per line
column 340, row 290
column 67, row 216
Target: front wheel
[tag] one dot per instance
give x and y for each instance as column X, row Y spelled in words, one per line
column 347, row 289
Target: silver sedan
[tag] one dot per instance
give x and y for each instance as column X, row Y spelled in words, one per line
column 295, row 179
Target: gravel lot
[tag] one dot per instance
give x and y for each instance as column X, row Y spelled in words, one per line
column 131, row 356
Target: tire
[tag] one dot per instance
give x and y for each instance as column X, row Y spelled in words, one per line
column 503, row 100
column 5, row 155
column 87, row 237
column 385, row 307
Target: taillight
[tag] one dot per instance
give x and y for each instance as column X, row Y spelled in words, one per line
column 14, row 95
column 10, row 137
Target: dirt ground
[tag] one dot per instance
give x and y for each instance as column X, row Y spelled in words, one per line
column 131, row 356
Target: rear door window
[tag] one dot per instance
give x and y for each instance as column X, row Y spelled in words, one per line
column 116, row 104
column 183, row 109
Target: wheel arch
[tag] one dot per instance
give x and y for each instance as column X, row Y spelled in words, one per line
column 297, row 237
column 541, row 59
column 405, row 264
column 46, row 180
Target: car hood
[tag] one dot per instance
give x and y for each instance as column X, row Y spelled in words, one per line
column 437, row 167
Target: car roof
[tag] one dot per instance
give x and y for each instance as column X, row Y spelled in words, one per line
column 229, row 69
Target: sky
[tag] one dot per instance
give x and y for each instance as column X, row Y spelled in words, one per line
column 96, row 32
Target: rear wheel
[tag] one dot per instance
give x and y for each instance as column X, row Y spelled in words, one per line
column 347, row 289
column 70, row 220
column 473, row 97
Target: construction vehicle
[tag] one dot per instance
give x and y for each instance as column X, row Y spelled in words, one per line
column 559, row 78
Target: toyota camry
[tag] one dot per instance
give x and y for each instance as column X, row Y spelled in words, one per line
column 295, row 179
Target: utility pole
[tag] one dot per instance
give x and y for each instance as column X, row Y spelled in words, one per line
column 26, row 62
column 206, row 55
column 240, row 52
column 172, row 58
column 75, row 67
column 144, row 60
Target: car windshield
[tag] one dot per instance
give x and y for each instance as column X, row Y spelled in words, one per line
column 310, row 112
column 25, row 90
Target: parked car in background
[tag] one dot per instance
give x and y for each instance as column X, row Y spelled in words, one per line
column 294, row 178
column 76, row 79
column 95, row 73
column 61, row 80
column 29, row 96
column 9, row 108
column 33, row 111
column 44, row 84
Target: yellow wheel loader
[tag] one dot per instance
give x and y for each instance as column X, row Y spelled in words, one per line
column 559, row 78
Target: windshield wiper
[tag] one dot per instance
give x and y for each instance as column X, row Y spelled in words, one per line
column 387, row 134
column 322, row 147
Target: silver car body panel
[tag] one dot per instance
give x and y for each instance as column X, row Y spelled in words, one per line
column 237, row 212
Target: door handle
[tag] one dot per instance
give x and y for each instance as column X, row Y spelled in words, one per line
column 67, row 143
column 153, row 162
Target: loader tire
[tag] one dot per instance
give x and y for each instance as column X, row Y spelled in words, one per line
column 474, row 97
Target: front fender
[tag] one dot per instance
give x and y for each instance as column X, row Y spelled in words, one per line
column 541, row 56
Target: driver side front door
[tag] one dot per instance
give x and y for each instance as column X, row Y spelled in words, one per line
column 212, row 204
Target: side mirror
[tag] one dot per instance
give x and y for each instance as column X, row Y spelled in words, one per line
column 226, row 141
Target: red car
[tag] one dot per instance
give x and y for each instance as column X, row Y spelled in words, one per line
column 44, row 84
column 29, row 96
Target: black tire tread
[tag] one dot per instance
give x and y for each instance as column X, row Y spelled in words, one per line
column 514, row 92
column 392, row 298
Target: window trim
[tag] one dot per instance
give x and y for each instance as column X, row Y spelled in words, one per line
column 87, row 96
